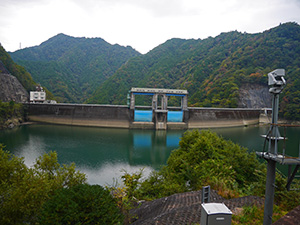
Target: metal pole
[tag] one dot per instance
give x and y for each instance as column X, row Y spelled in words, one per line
column 276, row 83
column 270, row 189
column 271, row 167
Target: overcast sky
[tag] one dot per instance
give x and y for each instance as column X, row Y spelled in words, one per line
column 142, row 24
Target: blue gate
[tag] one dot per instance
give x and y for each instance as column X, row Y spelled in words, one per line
column 143, row 115
column 175, row 116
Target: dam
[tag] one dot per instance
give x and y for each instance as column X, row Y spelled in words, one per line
column 120, row 116
column 157, row 116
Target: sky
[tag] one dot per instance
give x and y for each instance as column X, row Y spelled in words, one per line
column 141, row 24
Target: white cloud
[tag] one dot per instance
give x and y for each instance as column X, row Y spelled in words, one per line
column 143, row 24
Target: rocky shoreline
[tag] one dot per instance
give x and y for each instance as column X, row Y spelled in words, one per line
column 14, row 122
column 11, row 123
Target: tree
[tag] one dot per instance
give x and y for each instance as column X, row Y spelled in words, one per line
column 204, row 158
column 24, row 190
column 10, row 110
column 81, row 204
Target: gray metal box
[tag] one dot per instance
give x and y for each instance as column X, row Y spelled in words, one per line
column 215, row 214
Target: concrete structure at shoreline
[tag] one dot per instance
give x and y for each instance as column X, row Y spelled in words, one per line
column 159, row 112
column 155, row 92
column 122, row 116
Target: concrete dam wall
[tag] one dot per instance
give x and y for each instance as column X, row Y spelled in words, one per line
column 120, row 116
column 80, row 114
column 222, row 117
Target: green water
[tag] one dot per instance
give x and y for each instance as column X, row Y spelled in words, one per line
column 104, row 153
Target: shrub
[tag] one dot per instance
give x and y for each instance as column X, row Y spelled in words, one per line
column 81, row 204
column 253, row 215
column 204, row 158
column 23, row 190
column 10, row 110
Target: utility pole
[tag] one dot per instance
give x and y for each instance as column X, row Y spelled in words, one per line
column 276, row 83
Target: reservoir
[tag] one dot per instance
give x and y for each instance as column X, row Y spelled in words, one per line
column 105, row 153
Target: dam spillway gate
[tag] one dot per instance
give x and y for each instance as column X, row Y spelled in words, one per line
column 159, row 116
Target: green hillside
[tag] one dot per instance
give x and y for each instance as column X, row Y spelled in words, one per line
column 214, row 69
column 72, row 68
column 18, row 71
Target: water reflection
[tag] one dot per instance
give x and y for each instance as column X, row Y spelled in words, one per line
column 104, row 153
column 32, row 149
column 152, row 147
column 110, row 174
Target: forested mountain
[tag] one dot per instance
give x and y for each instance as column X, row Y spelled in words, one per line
column 214, row 70
column 10, row 67
column 72, row 68
column 18, row 71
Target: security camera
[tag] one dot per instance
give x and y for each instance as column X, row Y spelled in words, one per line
column 276, row 81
